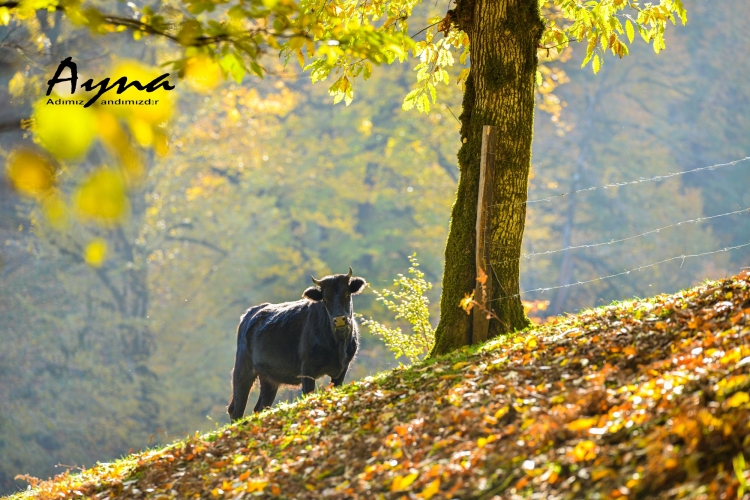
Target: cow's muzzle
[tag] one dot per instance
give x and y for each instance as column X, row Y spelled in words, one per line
column 341, row 321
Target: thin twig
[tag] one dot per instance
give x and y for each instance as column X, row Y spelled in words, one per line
column 425, row 29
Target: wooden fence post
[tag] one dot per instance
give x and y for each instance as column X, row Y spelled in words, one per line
column 481, row 325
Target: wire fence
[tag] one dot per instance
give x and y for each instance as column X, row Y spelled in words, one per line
column 682, row 257
column 697, row 220
column 655, row 178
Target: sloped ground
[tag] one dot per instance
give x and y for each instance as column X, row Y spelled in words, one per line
column 647, row 398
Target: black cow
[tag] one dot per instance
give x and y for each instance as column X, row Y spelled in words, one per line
column 296, row 342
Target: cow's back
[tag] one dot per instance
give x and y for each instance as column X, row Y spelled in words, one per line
column 275, row 336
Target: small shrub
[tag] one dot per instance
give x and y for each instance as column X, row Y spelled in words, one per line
column 410, row 304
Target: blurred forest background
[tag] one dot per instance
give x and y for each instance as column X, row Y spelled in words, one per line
column 267, row 182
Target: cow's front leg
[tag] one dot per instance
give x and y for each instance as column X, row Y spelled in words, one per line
column 351, row 350
column 337, row 381
column 308, row 381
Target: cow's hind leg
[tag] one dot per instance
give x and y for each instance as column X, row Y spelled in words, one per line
column 268, row 391
column 243, row 378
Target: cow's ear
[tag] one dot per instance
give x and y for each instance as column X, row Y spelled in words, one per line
column 313, row 293
column 356, row 285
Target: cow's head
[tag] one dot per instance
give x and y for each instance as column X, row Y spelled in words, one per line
column 335, row 292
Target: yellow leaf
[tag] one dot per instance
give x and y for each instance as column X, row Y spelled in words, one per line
column 598, row 474
column 730, row 357
column 386, row 416
column 30, row 173
column 4, row 16
column 142, row 131
column 115, row 138
column 582, row 424
column 109, row 128
column 396, row 484
column 162, row 102
column 482, row 442
column 584, row 451
column 95, row 252
column 431, row 490
column 55, row 210
column 466, row 303
column 737, row 399
column 296, row 42
column 406, row 482
column 460, row 364
column 66, row 131
column 16, row 84
column 260, row 485
column 629, row 30
column 300, row 58
column 501, row 412
column 238, row 459
column 161, row 143
column 102, row 197
column 401, row 483
column 202, row 73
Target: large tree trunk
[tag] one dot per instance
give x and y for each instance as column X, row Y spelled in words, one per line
column 504, row 37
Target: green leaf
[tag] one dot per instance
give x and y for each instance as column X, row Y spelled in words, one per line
column 410, row 100
column 644, row 34
column 738, row 463
column 681, row 11
column 232, row 65
column 255, row 68
column 587, row 59
column 367, row 71
column 630, row 31
column 659, row 42
column 424, row 104
column 589, row 50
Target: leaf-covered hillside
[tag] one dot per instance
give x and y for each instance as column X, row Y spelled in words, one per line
column 646, row 398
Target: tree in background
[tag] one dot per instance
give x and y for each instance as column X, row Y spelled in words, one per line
column 602, row 122
column 343, row 37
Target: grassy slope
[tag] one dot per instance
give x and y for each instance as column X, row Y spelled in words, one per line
column 643, row 398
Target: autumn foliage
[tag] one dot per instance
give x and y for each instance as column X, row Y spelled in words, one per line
column 640, row 398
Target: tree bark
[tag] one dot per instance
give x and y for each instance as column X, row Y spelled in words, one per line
column 504, row 36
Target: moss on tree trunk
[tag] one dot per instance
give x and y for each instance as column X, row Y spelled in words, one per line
column 504, row 37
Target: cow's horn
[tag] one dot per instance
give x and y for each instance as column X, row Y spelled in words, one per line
column 314, row 280
column 350, row 272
